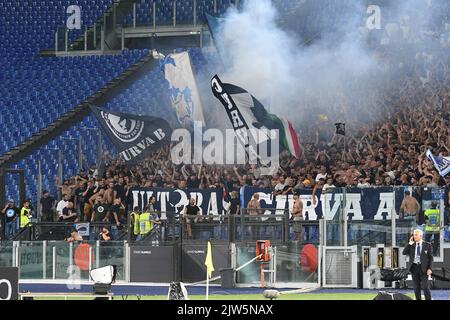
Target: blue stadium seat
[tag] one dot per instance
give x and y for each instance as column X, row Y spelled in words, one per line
column 36, row 91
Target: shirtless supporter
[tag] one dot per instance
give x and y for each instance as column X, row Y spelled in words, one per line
column 410, row 208
column 254, row 209
column 297, row 216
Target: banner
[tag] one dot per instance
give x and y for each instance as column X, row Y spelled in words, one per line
column 183, row 89
column 83, row 229
column 9, row 283
column 210, row 201
column 134, row 136
column 360, row 203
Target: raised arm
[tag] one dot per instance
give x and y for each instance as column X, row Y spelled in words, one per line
column 199, row 173
column 236, row 171
column 183, row 171
column 314, row 201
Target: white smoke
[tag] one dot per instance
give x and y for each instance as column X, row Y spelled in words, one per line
column 271, row 63
column 260, row 56
column 289, row 77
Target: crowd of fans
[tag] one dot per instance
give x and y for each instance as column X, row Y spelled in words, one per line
column 385, row 143
column 387, row 149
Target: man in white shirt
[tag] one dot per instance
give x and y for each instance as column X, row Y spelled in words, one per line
column 322, row 174
column 328, row 185
column 280, row 186
column 61, row 205
column 363, row 183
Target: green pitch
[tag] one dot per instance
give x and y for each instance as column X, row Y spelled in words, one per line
column 302, row 296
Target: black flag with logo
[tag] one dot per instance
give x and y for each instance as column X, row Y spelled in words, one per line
column 134, row 136
column 340, row 128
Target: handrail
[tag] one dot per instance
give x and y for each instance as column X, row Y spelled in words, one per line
column 19, row 234
column 68, row 224
column 174, row 226
column 56, row 228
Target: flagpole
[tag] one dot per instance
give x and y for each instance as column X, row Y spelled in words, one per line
column 345, row 144
column 207, row 285
column 209, row 267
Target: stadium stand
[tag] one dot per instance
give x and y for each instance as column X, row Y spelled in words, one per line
column 31, row 25
column 83, row 75
column 31, row 84
column 58, row 84
column 383, row 152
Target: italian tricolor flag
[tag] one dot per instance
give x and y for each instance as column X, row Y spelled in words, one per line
column 288, row 136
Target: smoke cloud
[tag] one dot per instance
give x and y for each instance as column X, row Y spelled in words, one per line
column 336, row 71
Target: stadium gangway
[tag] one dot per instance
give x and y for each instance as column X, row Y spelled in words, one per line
column 174, row 228
column 276, row 225
column 61, row 230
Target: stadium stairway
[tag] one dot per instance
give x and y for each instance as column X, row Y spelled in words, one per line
column 150, row 13
column 75, row 115
column 118, row 10
column 39, row 93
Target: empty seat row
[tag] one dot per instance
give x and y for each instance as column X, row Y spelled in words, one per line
column 36, row 91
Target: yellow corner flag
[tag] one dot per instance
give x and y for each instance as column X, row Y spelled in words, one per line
column 209, row 261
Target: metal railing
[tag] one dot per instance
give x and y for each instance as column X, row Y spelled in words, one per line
column 53, row 260
column 378, row 215
column 174, row 20
column 352, row 216
column 278, row 228
column 107, row 32
column 39, row 231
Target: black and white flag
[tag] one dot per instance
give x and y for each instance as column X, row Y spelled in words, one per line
column 442, row 164
column 250, row 119
column 134, row 136
column 340, row 128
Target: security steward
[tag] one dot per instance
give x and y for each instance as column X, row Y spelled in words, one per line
column 145, row 224
column 25, row 219
column 432, row 225
column 147, row 221
column 135, row 219
column 25, row 215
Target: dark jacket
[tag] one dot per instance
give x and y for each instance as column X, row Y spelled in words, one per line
column 426, row 256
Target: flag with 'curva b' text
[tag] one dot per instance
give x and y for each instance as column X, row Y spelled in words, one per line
column 134, row 136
